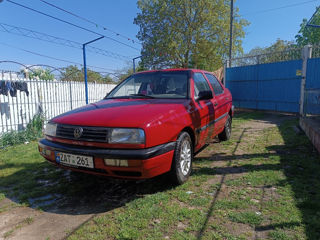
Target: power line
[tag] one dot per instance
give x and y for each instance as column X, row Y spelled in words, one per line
column 89, row 21
column 311, row 19
column 273, row 9
column 56, row 40
column 69, row 23
column 50, row 57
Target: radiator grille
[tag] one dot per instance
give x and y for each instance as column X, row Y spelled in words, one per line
column 92, row 134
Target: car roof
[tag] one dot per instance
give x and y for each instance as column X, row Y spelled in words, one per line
column 173, row 70
column 177, row 69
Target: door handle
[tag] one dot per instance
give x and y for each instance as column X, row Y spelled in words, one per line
column 215, row 104
column 226, row 98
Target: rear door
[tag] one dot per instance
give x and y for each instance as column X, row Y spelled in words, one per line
column 220, row 104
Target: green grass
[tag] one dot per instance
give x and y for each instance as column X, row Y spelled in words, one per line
column 251, row 218
column 22, row 170
column 266, row 182
column 279, row 235
column 28, row 179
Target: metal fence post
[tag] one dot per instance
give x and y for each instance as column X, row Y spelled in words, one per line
column 85, row 66
column 134, row 63
column 225, row 73
column 228, row 63
column 1, row 107
column 306, row 54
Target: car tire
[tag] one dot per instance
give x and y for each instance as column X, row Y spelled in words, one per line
column 182, row 161
column 226, row 133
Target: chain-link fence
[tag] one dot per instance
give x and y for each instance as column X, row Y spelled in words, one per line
column 287, row 55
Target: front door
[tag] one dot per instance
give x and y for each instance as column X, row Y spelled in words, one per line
column 203, row 109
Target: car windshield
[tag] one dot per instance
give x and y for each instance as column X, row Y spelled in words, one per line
column 153, row 85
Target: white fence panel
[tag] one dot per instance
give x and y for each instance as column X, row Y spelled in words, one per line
column 50, row 97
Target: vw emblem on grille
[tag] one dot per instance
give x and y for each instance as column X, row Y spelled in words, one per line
column 77, row 133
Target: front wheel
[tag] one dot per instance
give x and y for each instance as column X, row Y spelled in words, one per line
column 226, row 133
column 183, row 157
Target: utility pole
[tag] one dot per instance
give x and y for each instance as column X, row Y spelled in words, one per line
column 231, row 31
column 85, row 65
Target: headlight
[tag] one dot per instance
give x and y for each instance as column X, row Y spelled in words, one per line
column 51, row 129
column 127, row 135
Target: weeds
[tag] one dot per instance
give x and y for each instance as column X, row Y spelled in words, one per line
column 32, row 132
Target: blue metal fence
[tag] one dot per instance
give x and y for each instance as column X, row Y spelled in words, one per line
column 312, row 89
column 271, row 86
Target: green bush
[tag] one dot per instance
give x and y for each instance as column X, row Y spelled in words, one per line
column 32, row 132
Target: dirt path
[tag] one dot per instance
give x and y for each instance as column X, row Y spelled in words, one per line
column 30, row 224
column 18, row 222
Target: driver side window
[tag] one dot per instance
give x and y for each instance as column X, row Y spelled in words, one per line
column 200, row 84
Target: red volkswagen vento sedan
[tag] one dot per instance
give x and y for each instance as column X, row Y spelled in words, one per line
column 151, row 123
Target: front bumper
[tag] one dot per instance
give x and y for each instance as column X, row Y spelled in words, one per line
column 142, row 163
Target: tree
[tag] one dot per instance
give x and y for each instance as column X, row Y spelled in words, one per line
column 127, row 70
column 309, row 35
column 41, row 74
column 124, row 73
column 73, row 73
column 187, row 33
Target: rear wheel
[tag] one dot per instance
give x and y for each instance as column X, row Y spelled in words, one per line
column 183, row 157
column 226, row 133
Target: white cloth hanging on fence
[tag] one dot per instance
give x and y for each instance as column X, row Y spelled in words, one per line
column 5, row 109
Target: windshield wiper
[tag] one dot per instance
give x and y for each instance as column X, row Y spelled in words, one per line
column 118, row 97
column 142, row 95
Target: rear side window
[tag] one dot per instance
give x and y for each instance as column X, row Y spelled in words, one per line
column 215, row 84
column 200, row 84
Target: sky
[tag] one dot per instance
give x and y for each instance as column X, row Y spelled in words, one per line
column 269, row 20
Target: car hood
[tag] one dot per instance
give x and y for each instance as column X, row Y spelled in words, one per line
column 123, row 112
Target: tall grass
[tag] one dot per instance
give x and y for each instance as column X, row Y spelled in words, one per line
column 31, row 132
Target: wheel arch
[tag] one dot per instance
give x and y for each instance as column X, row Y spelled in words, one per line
column 190, row 131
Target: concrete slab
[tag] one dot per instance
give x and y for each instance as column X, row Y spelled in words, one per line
column 311, row 126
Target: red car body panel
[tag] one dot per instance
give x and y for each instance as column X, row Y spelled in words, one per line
column 162, row 121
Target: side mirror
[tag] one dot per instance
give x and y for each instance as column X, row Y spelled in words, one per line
column 205, row 95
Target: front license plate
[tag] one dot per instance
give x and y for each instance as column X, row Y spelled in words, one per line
column 74, row 160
